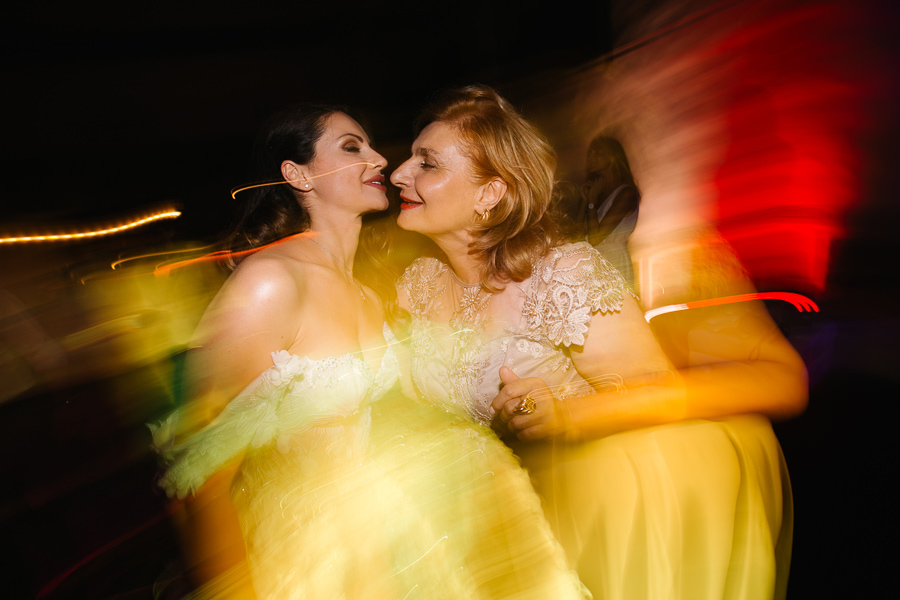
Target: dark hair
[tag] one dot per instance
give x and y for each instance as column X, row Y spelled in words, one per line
column 271, row 212
column 501, row 143
column 625, row 203
column 618, row 160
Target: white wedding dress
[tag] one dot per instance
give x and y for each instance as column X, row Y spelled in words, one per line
column 347, row 489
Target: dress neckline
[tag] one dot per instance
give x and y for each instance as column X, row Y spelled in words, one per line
column 389, row 341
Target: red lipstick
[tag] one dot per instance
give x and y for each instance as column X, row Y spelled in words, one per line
column 407, row 204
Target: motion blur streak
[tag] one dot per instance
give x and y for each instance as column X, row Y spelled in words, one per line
column 237, row 191
column 122, row 261
column 219, row 255
column 755, row 120
column 169, row 214
column 800, row 302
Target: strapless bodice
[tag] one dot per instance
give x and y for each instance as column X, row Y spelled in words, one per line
column 296, row 401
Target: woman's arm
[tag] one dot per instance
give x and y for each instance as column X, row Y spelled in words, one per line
column 212, row 540
column 733, row 360
column 619, row 348
column 256, row 313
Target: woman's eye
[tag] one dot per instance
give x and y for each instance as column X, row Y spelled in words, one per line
column 425, row 165
column 351, row 148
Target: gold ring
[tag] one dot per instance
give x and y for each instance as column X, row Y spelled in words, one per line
column 526, row 406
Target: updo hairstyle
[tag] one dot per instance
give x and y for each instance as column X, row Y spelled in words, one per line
column 272, row 212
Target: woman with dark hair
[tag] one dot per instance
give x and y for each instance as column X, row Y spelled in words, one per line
column 309, row 476
column 659, row 483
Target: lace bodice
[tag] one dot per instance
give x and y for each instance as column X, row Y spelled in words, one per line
column 457, row 365
column 297, row 404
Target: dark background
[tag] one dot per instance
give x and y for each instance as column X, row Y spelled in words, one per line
column 112, row 110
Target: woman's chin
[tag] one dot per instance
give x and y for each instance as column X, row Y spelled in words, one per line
column 406, row 222
column 377, row 207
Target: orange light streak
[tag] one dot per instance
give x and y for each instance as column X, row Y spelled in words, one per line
column 800, row 302
column 236, row 191
column 121, row 261
column 220, row 255
column 171, row 214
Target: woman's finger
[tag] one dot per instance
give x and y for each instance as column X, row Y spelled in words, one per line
column 514, row 392
column 545, row 422
column 528, row 412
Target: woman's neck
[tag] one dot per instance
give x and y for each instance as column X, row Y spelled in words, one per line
column 338, row 238
column 469, row 268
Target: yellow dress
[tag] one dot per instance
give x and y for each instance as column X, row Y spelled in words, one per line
column 348, row 490
column 699, row 509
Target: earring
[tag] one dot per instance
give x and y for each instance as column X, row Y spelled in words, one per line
column 486, row 215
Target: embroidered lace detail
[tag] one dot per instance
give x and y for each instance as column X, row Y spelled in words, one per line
column 457, row 368
column 472, row 305
column 570, row 285
column 294, row 395
column 424, row 285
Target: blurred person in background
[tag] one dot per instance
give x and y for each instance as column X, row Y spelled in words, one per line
column 608, row 211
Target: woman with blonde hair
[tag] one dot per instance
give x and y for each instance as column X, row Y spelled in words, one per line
column 654, row 488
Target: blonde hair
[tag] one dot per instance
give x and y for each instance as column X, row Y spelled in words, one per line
column 501, row 143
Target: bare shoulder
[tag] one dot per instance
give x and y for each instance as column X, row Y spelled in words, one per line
column 269, row 277
column 265, row 293
column 258, row 311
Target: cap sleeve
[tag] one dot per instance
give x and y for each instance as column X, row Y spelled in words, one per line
column 569, row 285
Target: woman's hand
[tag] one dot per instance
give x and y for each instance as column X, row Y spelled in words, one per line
column 527, row 408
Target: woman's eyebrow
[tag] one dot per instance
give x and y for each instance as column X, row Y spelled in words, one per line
column 426, row 152
column 342, row 136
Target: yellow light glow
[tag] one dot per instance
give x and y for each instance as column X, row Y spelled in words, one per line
column 169, row 214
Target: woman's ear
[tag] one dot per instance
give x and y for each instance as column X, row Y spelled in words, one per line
column 295, row 175
column 489, row 195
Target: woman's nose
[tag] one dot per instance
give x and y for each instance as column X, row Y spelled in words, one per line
column 398, row 177
column 378, row 161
